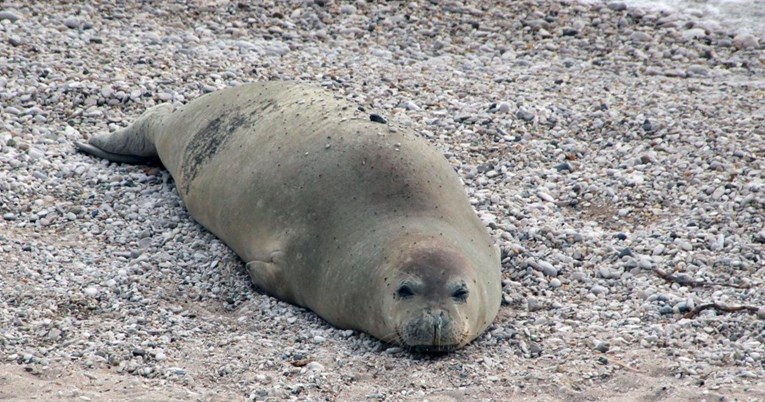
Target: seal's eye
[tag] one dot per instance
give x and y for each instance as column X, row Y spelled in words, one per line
column 460, row 294
column 404, row 291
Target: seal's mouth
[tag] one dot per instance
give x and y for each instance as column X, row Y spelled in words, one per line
column 432, row 349
column 436, row 347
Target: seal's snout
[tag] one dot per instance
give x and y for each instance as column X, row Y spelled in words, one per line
column 433, row 330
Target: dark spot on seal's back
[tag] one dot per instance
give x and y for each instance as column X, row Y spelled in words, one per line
column 203, row 145
column 206, row 143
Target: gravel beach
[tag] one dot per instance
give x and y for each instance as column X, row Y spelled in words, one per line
column 616, row 155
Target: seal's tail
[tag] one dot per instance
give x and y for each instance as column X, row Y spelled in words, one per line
column 133, row 144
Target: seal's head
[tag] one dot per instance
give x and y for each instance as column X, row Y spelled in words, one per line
column 434, row 301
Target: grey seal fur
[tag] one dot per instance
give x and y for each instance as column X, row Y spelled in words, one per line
column 329, row 207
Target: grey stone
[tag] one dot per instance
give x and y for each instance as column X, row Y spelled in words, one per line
column 745, row 41
column 639, row 36
column 598, row 290
column 524, row 115
column 698, row 70
column 693, row 33
column 617, row 6
column 10, row 15
column 73, row 23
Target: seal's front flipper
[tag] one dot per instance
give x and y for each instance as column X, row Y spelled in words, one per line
column 131, row 159
column 268, row 276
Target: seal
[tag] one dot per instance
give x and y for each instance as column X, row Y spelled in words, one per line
column 331, row 208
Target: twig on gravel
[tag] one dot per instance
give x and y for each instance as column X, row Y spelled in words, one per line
column 624, row 365
column 721, row 307
column 686, row 280
column 301, row 362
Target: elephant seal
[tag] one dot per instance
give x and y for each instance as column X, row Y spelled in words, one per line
column 330, row 208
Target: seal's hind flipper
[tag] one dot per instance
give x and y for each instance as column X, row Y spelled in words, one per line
column 130, row 159
column 133, row 144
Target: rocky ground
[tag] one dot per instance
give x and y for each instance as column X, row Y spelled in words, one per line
column 617, row 156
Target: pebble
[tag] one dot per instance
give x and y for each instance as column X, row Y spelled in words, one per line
column 608, row 273
column 524, row 115
column 639, row 36
column 409, row 105
column 544, row 196
column 347, row 9
column 717, row 243
column 602, row 347
column 724, row 42
column 569, row 32
column 681, row 307
column 684, row 245
column 598, row 290
column 645, row 262
column 617, row 6
column 547, row 268
column 564, row 167
column 653, row 70
column 693, row 33
column 9, row 15
column 745, row 41
column 698, row 70
column 315, row 367
column 532, row 304
column 73, row 23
